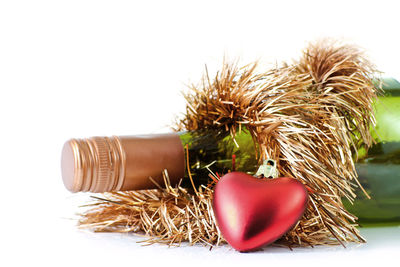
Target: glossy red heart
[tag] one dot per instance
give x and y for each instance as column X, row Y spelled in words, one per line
column 252, row 212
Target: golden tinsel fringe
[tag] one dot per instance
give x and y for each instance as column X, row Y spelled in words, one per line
column 311, row 116
column 169, row 215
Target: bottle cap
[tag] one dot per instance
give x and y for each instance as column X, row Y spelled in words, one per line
column 94, row 164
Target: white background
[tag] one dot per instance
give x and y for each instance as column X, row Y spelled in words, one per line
column 84, row 68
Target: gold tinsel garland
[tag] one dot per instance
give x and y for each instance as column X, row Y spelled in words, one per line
column 311, row 116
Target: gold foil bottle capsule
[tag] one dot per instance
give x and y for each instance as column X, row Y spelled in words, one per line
column 104, row 164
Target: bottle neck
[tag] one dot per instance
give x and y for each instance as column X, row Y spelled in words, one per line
column 103, row 164
column 215, row 152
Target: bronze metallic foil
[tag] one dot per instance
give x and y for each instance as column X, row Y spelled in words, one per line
column 104, row 164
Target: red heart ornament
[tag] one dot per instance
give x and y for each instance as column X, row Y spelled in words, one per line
column 252, row 212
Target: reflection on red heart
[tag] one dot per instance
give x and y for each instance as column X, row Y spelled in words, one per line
column 253, row 212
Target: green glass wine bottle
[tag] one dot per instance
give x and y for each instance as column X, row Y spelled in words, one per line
column 103, row 164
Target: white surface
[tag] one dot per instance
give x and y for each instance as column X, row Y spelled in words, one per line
column 84, row 68
column 58, row 240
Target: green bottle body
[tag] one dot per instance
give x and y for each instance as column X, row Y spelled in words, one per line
column 379, row 168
